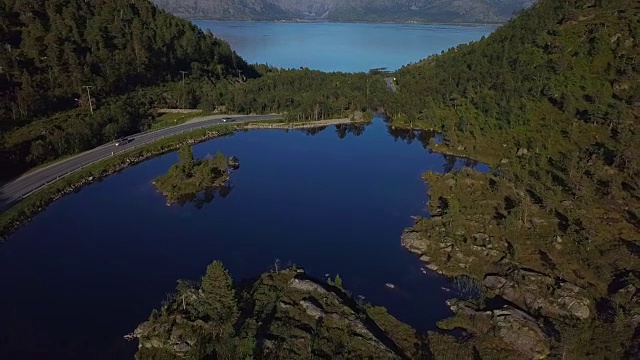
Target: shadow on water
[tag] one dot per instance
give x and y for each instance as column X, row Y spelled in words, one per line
column 356, row 130
column 428, row 138
column 202, row 198
column 342, row 130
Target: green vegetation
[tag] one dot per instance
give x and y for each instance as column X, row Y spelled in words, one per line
column 171, row 119
column 55, row 48
column 550, row 101
column 280, row 315
column 188, row 177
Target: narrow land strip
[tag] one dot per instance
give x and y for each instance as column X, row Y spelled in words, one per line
column 41, row 187
column 31, row 181
column 305, row 125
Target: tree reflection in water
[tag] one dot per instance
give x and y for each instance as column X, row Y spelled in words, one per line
column 429, row 138
column 206, row 196
column 342, row 130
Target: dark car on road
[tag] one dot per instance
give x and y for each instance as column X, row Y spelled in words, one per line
column 123, row 141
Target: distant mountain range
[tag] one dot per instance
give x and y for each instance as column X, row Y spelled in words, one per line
column 474, row 11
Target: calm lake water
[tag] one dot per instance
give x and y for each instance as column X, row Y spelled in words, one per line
column 87, row 270
column 349, row 47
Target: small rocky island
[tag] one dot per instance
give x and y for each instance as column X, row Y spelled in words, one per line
column 282, row 314
column 190, row 176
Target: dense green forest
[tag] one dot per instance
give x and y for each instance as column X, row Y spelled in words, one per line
column 567, row 62
column 551, row 100
column 54, row 48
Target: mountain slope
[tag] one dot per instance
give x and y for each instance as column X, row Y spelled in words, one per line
column 552, row 102
column 50, row 50
column 428, row 10
column 53, row 48
column 225, row 9
column 354, row 10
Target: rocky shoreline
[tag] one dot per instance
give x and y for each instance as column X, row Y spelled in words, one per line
column 483, row 228
column 282, row 314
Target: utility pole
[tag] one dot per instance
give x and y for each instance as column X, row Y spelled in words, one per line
column 49, row 70
column 183, row 89
column 368, row 90
column 89, row 94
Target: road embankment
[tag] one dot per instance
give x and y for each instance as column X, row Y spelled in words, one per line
column 24, row 210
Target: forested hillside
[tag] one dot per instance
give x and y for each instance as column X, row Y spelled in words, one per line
column 305, row 94
column 52, row 49
column 552, row 101
column 570, row 63
column 353, row 10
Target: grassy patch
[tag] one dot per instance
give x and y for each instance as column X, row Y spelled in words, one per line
column 171, row 119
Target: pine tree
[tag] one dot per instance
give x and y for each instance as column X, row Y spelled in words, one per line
column 219, row 301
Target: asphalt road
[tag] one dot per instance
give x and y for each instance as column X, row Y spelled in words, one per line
column 21, row 187
column 390, row 84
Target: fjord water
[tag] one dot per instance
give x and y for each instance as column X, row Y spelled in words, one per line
column 88, row 269
column 348, row 47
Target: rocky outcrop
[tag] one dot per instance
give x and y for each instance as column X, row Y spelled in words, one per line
column 414, row 241
column 314, row 309
column 540, row 293
column 288, row 315
column 448, row 256
column 176, row 334
column 518, row 330
column 234, row 162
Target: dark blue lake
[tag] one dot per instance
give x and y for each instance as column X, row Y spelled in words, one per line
column 87, row 270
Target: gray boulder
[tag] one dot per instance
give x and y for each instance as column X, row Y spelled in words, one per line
column 517, row 329
column 541, row 293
